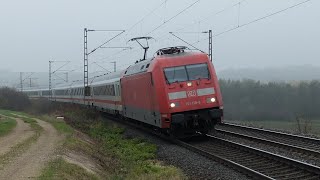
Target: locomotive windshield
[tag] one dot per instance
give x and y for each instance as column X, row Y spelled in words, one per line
column 186, row 73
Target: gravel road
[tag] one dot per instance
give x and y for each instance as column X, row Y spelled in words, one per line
column 29, row 164
column 20, row 133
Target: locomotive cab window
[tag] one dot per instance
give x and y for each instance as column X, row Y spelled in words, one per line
column 198, row 71
column 186, row 73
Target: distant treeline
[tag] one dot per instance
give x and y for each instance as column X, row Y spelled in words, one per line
column 253, row 100
column 13, row 100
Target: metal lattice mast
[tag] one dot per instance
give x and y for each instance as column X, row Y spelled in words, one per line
column 86, row 66
column 21, row 82
column 114, row 66
column 210, row 45
column 50, row 85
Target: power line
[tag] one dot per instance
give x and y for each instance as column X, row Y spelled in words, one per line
column 165, row 22
column 203, row 19
column 256, row 20
column 151, row 12
column 212, row 15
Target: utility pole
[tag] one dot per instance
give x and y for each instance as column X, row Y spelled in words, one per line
column 210, row 45
column 53, row 72
column 30, row 81
column 114, row 66
column 86, row 54
column 50, row 86
column 21, row 82
column 29, row 74
column 67, row 77
column 86, row 67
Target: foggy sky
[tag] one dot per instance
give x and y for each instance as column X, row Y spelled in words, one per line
column 36, row 31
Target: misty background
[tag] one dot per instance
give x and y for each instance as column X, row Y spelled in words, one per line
column 283, row 47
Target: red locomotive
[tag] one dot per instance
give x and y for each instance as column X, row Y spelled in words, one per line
column 177, row 91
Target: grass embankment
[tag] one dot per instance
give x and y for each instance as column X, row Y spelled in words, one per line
column 116, row 156
column 136, row 156
column 60, row 169
column 22, row 146
column 6, row 125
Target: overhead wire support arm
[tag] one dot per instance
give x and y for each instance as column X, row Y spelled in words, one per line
column 86, row 56
column 101, row 67
column 122, row 31
column 185, row 41
column 31, row 73
column 117, row 47
column 58, row 69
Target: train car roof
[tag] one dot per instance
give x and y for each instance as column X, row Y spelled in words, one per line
column 138, row 67
column 108, row 78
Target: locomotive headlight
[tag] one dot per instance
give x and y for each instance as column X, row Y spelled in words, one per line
column 172, row 105
column 189, row 84
column 211, row 100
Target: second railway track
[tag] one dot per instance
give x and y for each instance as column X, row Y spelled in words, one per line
column 251, row 161
column 296, row 143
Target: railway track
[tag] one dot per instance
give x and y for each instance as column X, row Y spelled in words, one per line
column 256, row 163
column 253, row 162
column 305, row 145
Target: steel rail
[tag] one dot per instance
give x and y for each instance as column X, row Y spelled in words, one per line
column 270, row 142
column 302, row 142
column 266, row 163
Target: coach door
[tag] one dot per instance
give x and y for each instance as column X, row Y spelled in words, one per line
column 154, row 116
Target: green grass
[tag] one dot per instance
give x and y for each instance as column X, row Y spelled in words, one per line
column 136, row 156
column 58, row 124
column 60, row 169
column 6, row 112
column 25, row 117
column 6, row 125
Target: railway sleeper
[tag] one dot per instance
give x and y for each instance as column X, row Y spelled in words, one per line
column 265, row 169
column 285, row 172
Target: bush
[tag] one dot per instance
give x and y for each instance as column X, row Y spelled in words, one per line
column 13, row 100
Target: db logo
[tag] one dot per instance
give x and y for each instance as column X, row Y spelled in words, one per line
column 191, row 93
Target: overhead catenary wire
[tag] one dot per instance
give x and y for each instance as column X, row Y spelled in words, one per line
column 255, row 20
column 219, row 12
column 202, row 20
column 165, row 22
column 122, row 31
column 151, row 12
column 211, row 15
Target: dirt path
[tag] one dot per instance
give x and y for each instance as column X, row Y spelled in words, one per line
column 29, row 164
column 20, row 133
